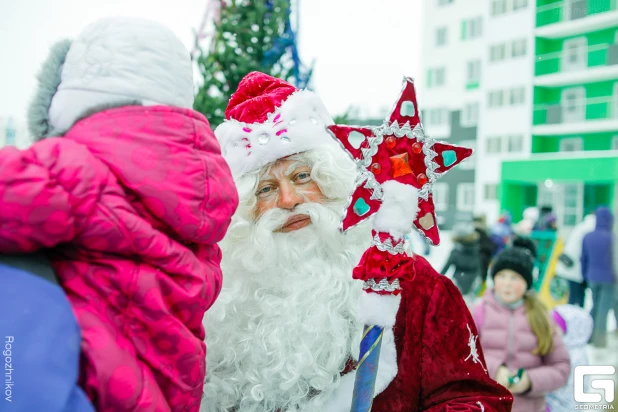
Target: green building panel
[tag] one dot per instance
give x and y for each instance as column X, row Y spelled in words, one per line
column 596, row 195
column 552, row 11
column 592, row 141
column 549, row 52
column 564, row 169
column 599, row 100
column 520, row 180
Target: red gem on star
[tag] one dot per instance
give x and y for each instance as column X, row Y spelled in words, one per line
column 417, row 148
column 390, row 142
column 401, row 165
column 376, row 168
column 422, row 179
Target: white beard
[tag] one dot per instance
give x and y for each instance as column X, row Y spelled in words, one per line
column 285, row 322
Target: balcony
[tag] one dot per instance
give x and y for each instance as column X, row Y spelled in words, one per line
column 577, row 65
column 592, row 115
column 573, row 17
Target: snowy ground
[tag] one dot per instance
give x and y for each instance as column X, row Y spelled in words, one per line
column 607, row 356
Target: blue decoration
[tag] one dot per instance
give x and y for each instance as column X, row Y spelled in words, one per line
column 302, row 74
column 361, row 207
column 449, row 157
column 367, row 368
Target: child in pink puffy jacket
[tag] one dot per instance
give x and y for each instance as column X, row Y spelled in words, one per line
column 128, row 194
column 523, row 346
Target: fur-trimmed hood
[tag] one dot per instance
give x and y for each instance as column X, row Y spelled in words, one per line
column 113, row 62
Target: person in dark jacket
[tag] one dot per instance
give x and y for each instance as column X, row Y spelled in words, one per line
column 465, row 257
column 486, row 246
column 547, row 220
column 501, row 233
column 598, row 271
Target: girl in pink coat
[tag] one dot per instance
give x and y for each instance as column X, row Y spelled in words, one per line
column 522, row 345
column 129, row 200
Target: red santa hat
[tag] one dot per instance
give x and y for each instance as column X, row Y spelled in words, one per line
column 268, row 119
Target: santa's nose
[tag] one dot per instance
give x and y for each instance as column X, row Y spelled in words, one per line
column 289, row 198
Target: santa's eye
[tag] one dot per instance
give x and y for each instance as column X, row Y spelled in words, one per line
column 264, row 191
column 303, row 177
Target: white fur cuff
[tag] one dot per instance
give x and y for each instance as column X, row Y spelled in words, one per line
column 398, row 210
column 375, row 309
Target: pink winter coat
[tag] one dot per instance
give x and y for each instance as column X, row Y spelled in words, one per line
column 130, row 204
column 506, row 338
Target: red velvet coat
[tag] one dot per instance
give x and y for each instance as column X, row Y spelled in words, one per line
column 432, row 341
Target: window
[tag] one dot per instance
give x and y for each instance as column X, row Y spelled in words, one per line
column 519, row 4
column 496, row 98
column 436, row 77
column 440, row 196
column 474, row 72
column 574, row 54
column 498, row 7
column 10, row 133
column 470, row 162
column 573, row 104
column 518, row 48
column 465, row 197
column 477, row 27
column 494, row 145
column 441, row 36
column 437, row 117
column 517, row 96
column 470, row 114
column 490, row 191
column 444, row 2
column 440, row 76
column 472, row 28
column 615, row 143
column 497, row 52
column 515, row 143
column 615, row 108
column 573, row 204
column 572, row 144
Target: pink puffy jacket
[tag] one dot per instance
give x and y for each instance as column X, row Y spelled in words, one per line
column 506, row 338
column 130, row 204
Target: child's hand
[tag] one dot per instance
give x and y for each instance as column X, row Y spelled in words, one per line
column 502, row 376
column 522, row 386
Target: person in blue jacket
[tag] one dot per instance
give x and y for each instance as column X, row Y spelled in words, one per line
column 597, row 263
column 40, row 340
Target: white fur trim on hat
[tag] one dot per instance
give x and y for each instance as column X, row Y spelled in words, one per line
column 298, row 125
column 122, row 59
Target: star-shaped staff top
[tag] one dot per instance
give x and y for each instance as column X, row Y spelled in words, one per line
column 398, row 150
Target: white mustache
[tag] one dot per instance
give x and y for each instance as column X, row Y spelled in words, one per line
column 275, row 218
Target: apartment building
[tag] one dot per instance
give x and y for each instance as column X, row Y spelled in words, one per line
column 533, row 87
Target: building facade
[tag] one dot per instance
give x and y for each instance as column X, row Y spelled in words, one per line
column 450, row 95
column 573, row 160
column 533, row 86
column 13, row 132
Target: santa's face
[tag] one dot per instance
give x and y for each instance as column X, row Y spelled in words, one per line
column 285, row 322
column 286, row 185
